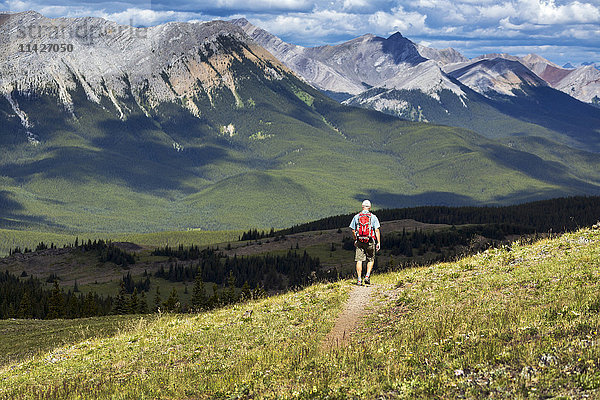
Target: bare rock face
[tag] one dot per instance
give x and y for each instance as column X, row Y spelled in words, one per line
column 499, row 75
column 361, row 64
column 582, row 83
column 166, row 63
column 444, row 56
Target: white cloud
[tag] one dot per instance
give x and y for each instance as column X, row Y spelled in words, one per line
column 469, row 25
column 16, row 6
column 547, row 12
column 497, row 11
column 147, row 17
column 397, row 20
column 355, row 4
column 318, row 24
column 265, row 5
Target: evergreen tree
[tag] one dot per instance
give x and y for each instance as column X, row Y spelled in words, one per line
column 258, row 292
column 230, row 295
column 72, row 306
column 246, row 292
column 172, row 303
column 121, row 303
column 143, row 304
column 134, row 303
column 56, row 303
column 157, row 300
column 26, row 306
column 90, row 306
column 199, row 298
column 214, row 299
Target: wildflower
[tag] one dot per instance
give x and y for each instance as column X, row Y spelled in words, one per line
column 459, row 372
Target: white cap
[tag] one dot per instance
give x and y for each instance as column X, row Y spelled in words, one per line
column 366, row 203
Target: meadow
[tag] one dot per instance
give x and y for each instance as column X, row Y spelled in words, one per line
column 516, row 322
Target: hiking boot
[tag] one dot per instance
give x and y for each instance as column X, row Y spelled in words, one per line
column 367, row 280
column 359, row 282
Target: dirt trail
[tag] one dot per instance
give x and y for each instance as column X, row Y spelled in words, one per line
column 348, row 320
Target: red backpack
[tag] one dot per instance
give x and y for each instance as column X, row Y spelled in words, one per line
column 363, row 233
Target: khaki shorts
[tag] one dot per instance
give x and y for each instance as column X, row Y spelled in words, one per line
column 365, row 251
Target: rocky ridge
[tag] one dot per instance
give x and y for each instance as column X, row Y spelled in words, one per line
column 174, row 62
column 363, row 63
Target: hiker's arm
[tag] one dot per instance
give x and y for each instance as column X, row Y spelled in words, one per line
column 354, row 234
column 378, row 239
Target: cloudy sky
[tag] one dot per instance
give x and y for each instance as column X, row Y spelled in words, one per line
column 562, row 31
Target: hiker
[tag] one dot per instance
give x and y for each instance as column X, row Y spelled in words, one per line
column 365, row 228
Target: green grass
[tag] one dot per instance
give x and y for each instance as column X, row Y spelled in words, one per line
column 22, row 339
column 517, row 322
column 202, row 354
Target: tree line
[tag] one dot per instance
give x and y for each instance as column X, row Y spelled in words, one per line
column 254, row 234
column 233, row 279
column 272, row 272
column 28, row 298
column 106, row 251
column 448, row 242
column 559, row 215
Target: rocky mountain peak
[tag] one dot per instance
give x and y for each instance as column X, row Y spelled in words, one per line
column 444, row 56
column 173, row 62
column 396, row 36
column 497, row 75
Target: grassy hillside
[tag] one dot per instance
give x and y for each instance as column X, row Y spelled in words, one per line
column 516, row 322
column 28, row 338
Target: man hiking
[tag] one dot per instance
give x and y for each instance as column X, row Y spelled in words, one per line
column 365, row 228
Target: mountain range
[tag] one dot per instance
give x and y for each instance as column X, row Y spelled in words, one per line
column 203, row 125
column 522, row 96
column 350, row 68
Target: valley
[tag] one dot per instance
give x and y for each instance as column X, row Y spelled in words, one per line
column 218, row 134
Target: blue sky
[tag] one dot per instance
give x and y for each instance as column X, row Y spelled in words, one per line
column 561, row 31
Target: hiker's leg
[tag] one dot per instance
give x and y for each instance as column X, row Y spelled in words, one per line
column 370, row 267
column 359, row 269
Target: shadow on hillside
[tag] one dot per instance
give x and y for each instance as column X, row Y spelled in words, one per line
column 12, row 215
column 556, row 111
column 527, row 196
column 381, row 199
column 537, row 168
